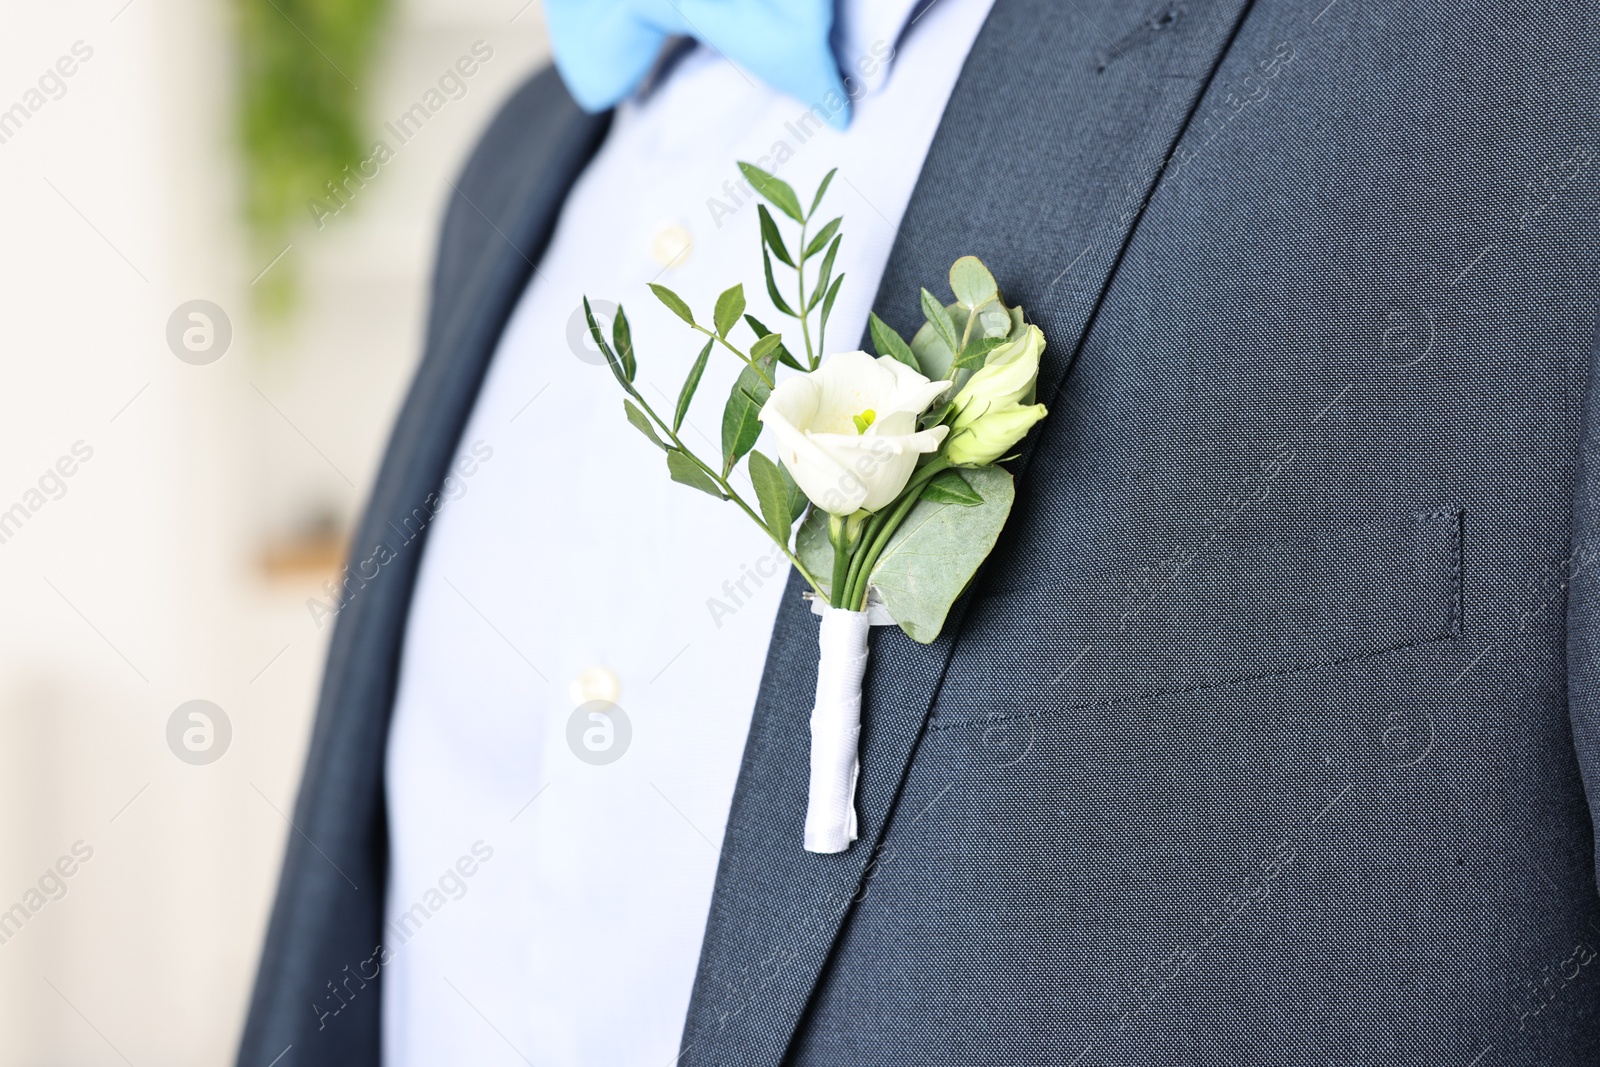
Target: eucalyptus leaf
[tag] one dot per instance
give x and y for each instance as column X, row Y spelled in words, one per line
column 816, row 201
column 673, row 301
column 958, row 318
column 890, row 343
column 730, row 305
column 775, row 191
column 1017, row 323
column 940, row 320
column 622, row 337
column 772, row 492
column 934, row 357
column 949, row 487
column 687, row 472
column 741, row 422
column 642, row 424
column 937, row 360
column 994, row 320
column 814, row 550
column 820, row 241
column 932, row 557
column 972, row 283
column 760, row 329
column 770, row 235
column 772, row 288
column 690, row 384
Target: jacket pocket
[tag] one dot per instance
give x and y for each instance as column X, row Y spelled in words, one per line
column 1267, row 602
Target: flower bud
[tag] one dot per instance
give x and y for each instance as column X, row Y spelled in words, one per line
column 1007, row 376
column 990, row 417
column 986, row 440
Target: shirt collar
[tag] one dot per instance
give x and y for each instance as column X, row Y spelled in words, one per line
column 865, row 40
column 866, row 35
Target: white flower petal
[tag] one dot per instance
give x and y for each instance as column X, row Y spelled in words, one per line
column 825, row 481
column 913, row 391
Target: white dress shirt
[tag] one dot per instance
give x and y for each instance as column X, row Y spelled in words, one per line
column 545, row 908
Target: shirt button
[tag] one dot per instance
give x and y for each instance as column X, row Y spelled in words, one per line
column 595, row 683
column 670, row 245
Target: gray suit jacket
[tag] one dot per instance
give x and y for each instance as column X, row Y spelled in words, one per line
column 1264, row 738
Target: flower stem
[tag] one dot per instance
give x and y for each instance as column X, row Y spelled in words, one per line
column 752, row 364
column 872, row 546
column 867, row 533
column 805, row 316
column 839, row 537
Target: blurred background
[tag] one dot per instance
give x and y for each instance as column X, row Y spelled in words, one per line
column 208, row 324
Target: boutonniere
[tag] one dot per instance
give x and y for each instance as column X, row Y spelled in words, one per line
column 889, row 465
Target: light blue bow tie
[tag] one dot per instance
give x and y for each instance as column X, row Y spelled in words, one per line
column 605, row 48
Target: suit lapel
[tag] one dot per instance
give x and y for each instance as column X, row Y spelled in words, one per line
column 1048, row 196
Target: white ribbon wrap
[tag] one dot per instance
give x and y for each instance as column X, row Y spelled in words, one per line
column 836, row 730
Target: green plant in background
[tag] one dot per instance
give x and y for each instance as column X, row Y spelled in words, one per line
column 301, row 118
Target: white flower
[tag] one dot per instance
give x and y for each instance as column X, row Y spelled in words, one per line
column 848, row 433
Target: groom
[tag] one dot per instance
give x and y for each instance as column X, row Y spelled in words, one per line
column 1263, row 739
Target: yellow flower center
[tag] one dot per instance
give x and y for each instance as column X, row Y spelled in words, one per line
column 863, row 420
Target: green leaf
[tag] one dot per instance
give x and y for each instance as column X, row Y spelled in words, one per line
column 958, row 318
column 642, row 424
column 690, row 384
column 771, row 237
column 772, row 491
column 775, row 191
column 764, row 346
column 688, row 472
column 890, row 343
column 816, row 201
column 939, row 319
column 605, row 349
column 977, row 351
column 622, row 337
column 783, row 353
column 772, row 288
column 730, row 305
column 949, row 487
column 972, row 283
column 994, row 320
column 937, row 414
column 814, row 550
column 827, row 301
column 932, row 557
column 741, row 423
column 797, row 497
column 938, row 361
column 820, row 241
column 824, row 273
column 934, row 357
column 673, row 301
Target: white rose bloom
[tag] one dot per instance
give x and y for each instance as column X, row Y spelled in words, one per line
column 847, row 431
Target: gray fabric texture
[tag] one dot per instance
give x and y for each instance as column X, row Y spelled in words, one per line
column 1262, row 737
